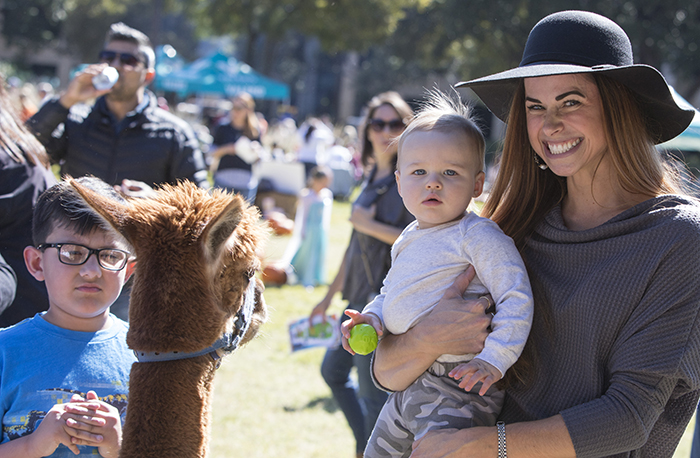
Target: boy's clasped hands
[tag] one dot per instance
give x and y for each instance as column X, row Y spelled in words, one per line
column 82, row 421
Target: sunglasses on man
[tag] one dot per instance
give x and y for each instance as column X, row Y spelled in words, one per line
column 125, row 58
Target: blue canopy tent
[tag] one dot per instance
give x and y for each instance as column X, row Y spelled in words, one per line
column 222, row 75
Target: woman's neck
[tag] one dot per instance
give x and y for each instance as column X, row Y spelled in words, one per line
column 589, row 204
column 384, row 168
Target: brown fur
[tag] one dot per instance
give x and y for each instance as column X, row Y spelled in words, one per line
column 196, row 251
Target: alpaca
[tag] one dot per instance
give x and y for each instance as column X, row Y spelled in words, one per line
column 196, row 254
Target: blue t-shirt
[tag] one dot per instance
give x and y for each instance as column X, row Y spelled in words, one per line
column 42, row 365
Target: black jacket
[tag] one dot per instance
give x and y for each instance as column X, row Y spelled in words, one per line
column 153, row 145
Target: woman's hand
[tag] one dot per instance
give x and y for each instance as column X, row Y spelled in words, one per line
column 454, row 326
column 457, row 443
column 362, row 218
column 363, row 221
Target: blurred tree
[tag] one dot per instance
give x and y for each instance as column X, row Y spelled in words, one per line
column 31, row 23
column 339, row 25
column 465, row 40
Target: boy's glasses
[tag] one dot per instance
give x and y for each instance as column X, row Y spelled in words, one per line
column 378, row 125
column 73, row 254
column 124, row 57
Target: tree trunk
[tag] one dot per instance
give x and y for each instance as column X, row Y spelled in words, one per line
column 348, row 86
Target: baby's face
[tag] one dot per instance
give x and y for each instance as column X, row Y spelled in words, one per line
column 438, row 174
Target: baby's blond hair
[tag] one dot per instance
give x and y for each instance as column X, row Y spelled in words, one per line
column 447, row 114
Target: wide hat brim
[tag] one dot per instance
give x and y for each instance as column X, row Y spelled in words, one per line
column 665, row 119
column 570, row 42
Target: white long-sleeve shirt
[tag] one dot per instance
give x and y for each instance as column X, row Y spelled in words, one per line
column 425, row 262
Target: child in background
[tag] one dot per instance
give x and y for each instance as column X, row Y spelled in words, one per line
column 307, row 248
column 439, row 170
column 64, row 374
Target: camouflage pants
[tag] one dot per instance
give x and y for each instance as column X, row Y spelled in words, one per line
column 434, row 401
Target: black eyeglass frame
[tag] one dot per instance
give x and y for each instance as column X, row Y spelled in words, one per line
column 91, row 251
column 125, row 58
column 378, row 125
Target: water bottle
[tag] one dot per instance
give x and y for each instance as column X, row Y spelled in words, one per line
column 106, row 79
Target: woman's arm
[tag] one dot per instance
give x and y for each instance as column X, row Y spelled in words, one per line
column 546, row 438
column 363, row 221
column 334, row 287
column 454, row 326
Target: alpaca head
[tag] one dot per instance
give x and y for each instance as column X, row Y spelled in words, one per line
column 196, row 251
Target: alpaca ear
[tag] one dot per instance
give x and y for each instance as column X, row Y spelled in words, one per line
column 220, row 228
column 115, row 216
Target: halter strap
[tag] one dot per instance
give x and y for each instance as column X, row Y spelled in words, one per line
column 228, row 342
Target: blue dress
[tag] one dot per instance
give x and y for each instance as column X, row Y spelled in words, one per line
column 311, row 238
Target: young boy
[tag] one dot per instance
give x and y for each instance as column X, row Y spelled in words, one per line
column 64, row 373
column 439, row 171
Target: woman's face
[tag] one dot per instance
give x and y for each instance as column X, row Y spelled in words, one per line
column 565, row 123
column 383, row 127
column 239, row 112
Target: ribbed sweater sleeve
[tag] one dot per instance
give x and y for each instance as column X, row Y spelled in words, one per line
column 656, row 349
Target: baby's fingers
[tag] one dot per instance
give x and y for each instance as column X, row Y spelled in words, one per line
column 461, row 371
column 469, row 381
column 346, row 345
column 486, row 384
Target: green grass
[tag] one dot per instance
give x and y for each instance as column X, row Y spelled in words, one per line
column 271, row 403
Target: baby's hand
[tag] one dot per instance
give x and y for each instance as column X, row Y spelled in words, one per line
column 476, row 371
column 355, row 319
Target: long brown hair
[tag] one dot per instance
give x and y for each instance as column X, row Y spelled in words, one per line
column 20, row 144
column 522, row 193
column 252, row 123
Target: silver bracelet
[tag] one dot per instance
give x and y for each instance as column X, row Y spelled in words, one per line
column 501, row 427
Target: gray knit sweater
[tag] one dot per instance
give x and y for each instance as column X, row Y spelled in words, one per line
column 616, row 329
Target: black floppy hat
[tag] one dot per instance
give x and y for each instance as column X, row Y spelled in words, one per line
column 570, row 42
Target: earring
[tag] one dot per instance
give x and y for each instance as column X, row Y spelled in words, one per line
column 539, row 162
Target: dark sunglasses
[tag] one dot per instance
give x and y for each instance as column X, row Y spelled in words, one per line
column 378, row 125
column 124, row 57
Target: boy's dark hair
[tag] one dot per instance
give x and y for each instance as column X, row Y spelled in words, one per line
column 62, row 206
column 122, row 32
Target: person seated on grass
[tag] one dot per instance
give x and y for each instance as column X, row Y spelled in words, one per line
column 65, row 372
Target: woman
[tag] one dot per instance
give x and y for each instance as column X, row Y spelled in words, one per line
column 236, row 146
column 24, row 175
column 612, row 367
column 378, row 217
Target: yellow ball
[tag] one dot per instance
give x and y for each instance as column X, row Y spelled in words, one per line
column 363, row 339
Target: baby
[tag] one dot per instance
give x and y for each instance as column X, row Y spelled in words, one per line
column 439, row 171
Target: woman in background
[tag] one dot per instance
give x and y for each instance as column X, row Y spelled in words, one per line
column 236, row 148
column 378, row 217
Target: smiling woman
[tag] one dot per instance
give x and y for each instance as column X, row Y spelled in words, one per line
column 612, row 364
